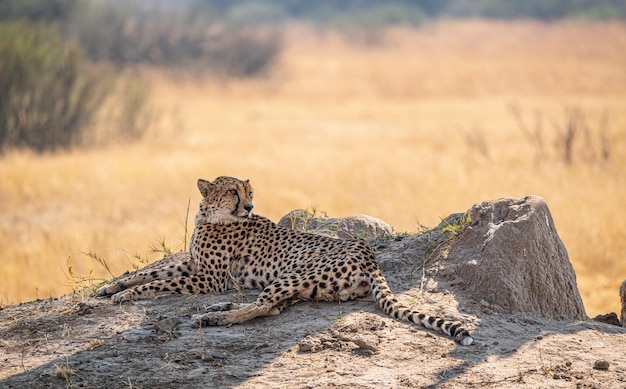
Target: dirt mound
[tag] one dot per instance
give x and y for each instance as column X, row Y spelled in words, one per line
column 80, row 341
column 511, row 257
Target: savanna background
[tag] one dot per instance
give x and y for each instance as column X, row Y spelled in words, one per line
column 405, row 110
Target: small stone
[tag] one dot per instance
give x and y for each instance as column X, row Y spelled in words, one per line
column 310, row 344
column 601, row 365
column 364, row 344
column 561, row 376
column 609, row 318
column 166, row 326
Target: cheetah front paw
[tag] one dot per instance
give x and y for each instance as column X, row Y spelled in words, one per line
column 209, row 319
column 124, row 296
column 109, row 289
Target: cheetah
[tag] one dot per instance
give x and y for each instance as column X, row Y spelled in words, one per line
column 231, row 247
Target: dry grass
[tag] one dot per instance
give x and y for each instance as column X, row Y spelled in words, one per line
column 408, row 131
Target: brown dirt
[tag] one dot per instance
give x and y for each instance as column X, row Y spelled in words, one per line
column 75, row 341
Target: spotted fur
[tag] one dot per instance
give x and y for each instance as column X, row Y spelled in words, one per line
column 231, row 246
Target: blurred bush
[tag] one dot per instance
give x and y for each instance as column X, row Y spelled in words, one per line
column 173, row 34
column 537, row 9
column 48, row 93
column 367, row 25
column 235, row 40
column 37, row 10
column 127, row 113
column 256, row 12
column 244, row 51
column 126, row 34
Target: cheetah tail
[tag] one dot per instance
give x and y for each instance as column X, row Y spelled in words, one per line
column 388, row 303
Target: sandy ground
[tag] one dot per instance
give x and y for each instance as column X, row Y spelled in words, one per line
column 84, row 342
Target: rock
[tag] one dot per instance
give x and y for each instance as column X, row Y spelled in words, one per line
column 601, row 365
column 608, row 318
column 298, row 219
column 310, row 344
column 366, row 343
column 510, row 255
column 622, row 294
column 348, row 227
column 166, row 326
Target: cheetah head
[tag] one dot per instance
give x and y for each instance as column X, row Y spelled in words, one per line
column 225, row 200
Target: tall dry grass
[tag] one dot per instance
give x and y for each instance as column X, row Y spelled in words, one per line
column 409, row 131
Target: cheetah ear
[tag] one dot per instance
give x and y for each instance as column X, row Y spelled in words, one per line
column 205, row 187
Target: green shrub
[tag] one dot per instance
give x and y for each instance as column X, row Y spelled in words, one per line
column 48, row 94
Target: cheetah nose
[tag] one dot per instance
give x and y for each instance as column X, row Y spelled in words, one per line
column 248, row 207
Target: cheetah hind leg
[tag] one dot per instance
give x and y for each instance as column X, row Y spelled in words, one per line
column 268, row 303
column 231, row 313
column 228, row 306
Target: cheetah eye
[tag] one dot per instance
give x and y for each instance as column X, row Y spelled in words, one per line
column 233, row 192
column 250, row 194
